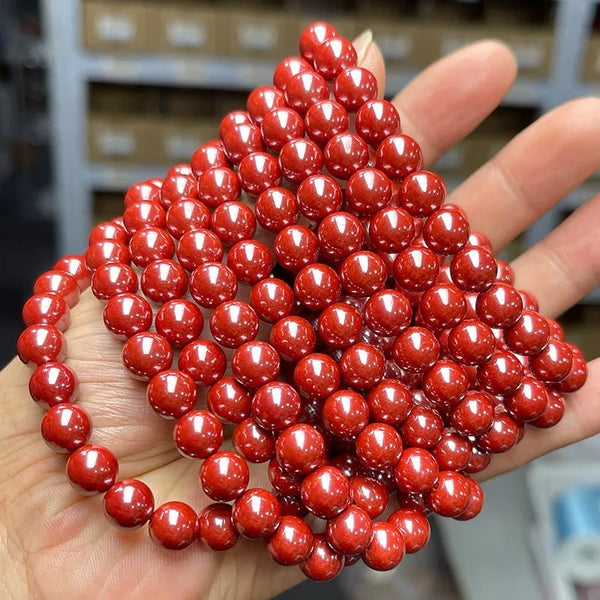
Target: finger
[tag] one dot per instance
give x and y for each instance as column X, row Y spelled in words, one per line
column 565, row 266
column 533, row 172
column 454, row 95
column 581, row 420
column 370, row 58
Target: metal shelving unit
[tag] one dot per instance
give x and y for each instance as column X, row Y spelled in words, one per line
column 71, row 68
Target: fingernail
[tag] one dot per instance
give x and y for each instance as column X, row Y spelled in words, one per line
column 362, row 43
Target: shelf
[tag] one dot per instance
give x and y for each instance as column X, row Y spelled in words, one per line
column 117, row 178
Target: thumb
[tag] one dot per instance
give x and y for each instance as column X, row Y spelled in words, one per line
column 370, row 58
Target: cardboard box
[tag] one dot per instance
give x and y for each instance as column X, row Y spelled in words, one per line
column 119, row 139
column 591, row 66
column 185, row 29
column 176, row 139
column 109, row 98
column 186, row 102
column 116, row 26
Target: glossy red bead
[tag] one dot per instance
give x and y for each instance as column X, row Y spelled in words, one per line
column 416, row 349
column 318, row 196
column 325, row 492
column 416, row 269
column 212, row 283
column 127, row 314
column 529, row 335
column 179, row 321
column 317, row 376
column 216, row 527
column 233, row 222
column 256, row 514
column 577, row 374
column 142, row 215
column 233, row 323
column 398, row 156
column 324, row 119
column 280, row 126
column 253, row 442
column 250, row 260
column 174, row 525
column 502, row 435
column 283, row 482
column 500, row 306
column 171, row 393
column 476, row 499
column 389, row 402
column 287, row 68
column 450, row 497
column 363, row 273
column 40, row 344
column 376, row 120
column 333, row 56
column 292, row 542
column 350, row 532
column 442, row 306
column 422, row 428
column 293, row 338
column 471, row 342
column 300, row 449
column 92, row 469
column 386, row 549
column 422, row 193
column 224, row 476
column 323, row 562
column 305, row 89
column 416, row 472
column 146, row 354
column 216, row 186
column 129, row 503
column 446, row 231
column 340, row 234
column 148, row 245
column 473, row 415
column 313, row 36
column 229, row 400
column 198, row 434
column 276, row 209
column 109, row 231
column 340, row 325
column 473, row 269
column 240, row 140
column 391, row 229
column 98, row 254
column 345, row 413
column 66, row 427
column 553, row 363
column 299, row 159
column 74, row 266
column 369, row 495
column 502, row 374
column 554, row 412
column 262, row 100
column 142, row 191
column 206, row 156
column 362, row 365
column 414, row 527
column 111, row 279
column 528, row 402
column 317, row 286
column 272, row 299
column 53, row 383
column 258, row 172
column 197, row 247
column 345, row 154
column 203, row 361
column 163, row 280
column 452, row 452
column 231, row 119
column 354, row 87
column 255, row 363
column 47, row 309
column 379, row 446
column 63, row 284
column 178, row 183
column 295, row 247
column 276, row 405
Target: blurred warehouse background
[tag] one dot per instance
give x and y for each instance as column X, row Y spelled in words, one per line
column 98, row 94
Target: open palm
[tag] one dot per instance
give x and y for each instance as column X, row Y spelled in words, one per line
column 60, row 545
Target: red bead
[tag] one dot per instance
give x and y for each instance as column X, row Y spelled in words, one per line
column 368, row 191
column 292, row 542
column 553, row 363
column 250, row 261
column 224, row 476
column 451, row 496
column 217, row 185
column 478, row 462
column 389, row 402
column 216, row 527
column 240, row 140
column 129, row 503
column 386, row 549
column 354, row 87
column 287, row 68
column 281, row 481
column 473, row 269
column 317, row 286
column 305, row 89
column 66, row 427
column 199, row 246
column 171, row 394
column 203, row 361
column 212, row 283
column 174, row 525
column 446, row 231
column 422, row 193
column 350, row 532
column 300, row 449
column 452, row 452
column 529, row 335
column 376, row 120
column 142, row 191
column 325, row 492
column 230, row 120
column 163, row 280
column 299, row 159
column 112, row 279
column 528, row 402
column 318, row 196
column 422, row 428
column 206, row 156
column 262, row 100
column 146, row 354
column 369, row 495
column 272, row 299
column 476, row 499
column 92, row 469
column 501, row 437
column 416, row 472
column 340, row 234
column 473, row 415
column 47, row 309
column 443, row 306
column 313, row 36
column 98, row 254
column 141, row 215
column 293, row 338
column 529, row 302
column 233, row 323
column 416, row 349
column 325, row 119
column 179, row 321
column 280, row 126
column 53, row 383
column 74, row 266
column 324, row 562
column 198, row 434
column 256, row 514
column 275, row 209
column 555, row 409
column 233, row 222
column 398, row 156
column 109, row 231
column 127, row 314
column 577, row 374
column 333, row 56
column 253, row 442
column 502, row 374
column 505, row 272
column 59, row 283
column 391, row 229
column 345, row 413
column 255, row 363
column 362, row 365
column 258, row 172
column 276, row 405
column 148, row 245
column 340, row 325
column 379, row 446
column 178, row 183
column 229, row 400
column 295, row 247
column 500, row 306
column 471, row 342
column 416, row 269
column 317, row 376
column 363, row 273
column 345, row 154
column 414, row 527
column 40, row 344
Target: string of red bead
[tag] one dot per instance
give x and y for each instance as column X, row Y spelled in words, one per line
column 400, row 355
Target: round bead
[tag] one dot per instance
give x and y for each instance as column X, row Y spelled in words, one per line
column 174, row 525
column 231, row 119
column 141, row 191
column 47, row 309
column 340, row 325
column 272, row 299
column 350, row 532
column 129, row 503
column 250, row 261
column 198, row 246
column 553, row 363
column 376, row 120
column 178, row 183
column 473, row 269
column 98, row 254
column 224, row 476
column 577, row 374
column 389, row 402
column 422, row 428
column 317, row 286
column 318, row 196
column 345, row 414
column 555, row 409
column 344, row 154
column 258, row 172
column 127, row 314
column 146, row 354
column 325, row 492
column 203, row 361
column 40, row 344
column 325, row 119
column 255, row 363
column 442, row 306
column 446, row 231
column 276, row 209
column 218, row 185
column 109, row 231
column 502, row 374
column 74, row 266
column 501, row 437
column 363, row 273
column 416, row 472
column 386, row 549
column 212, row 283
column 473, row 415
column 300, row 449
column 216, row 527
column 92, row 469
column 256, row 514
column 528, row 402
column 198, row 434
column 452, row 452
column 317, row 376
column 471, row 342
column 379, row 446
column 186, row 215
column 398, row 156
column 299, row 159
column 500, row 306
column 313, row 36
column 422, row 193
column 478, row 462
column 148, row 245
column 391, row 229
column 354, row 87
column 323, row 562
column 171, row 393
column 143, row 215
column 293, row 338
column 207, row 156
column 276, row 405
column 451, row 496
column 369, row 495
column 476, row 499
column 280, row 126
column 529, row 335
column 262, row 100
column 416, row 269
column 416, row 349
column 340, row 234
column 179, row 321
column 333, row 56
column 65, row 285
column 253, row 442
column 414, row 527
column 233, row 222
column 233, row 323
column 287, row 68
column 163, row 280
column 368, row 191
column 295, row 247
column 229, row 400
column 362, row 365
column 53, row 383
column 292, row 542
column 305, row 89
column 65, row 427
column 281, row 481
column 240, row 140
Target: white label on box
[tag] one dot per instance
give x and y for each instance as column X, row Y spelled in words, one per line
column 181, row 147
column 256, row 38
column 395, row 46
column 530, row 55
column 115, row 28
column 181, row 34
column 116, row 143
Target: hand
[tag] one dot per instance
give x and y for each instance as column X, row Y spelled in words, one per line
column 60, row 545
